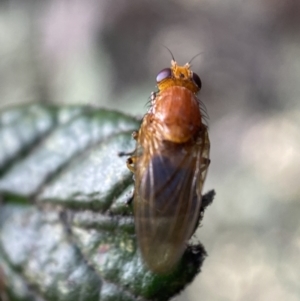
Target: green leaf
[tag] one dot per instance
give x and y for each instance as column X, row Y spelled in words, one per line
column 66, row 231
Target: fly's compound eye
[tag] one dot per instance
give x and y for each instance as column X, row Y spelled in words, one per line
column 163, row 74
column 197, row 80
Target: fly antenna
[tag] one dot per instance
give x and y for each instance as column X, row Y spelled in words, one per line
column 169, row 52
column 194, row 57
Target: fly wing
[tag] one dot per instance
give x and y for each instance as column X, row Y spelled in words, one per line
column 167, row 200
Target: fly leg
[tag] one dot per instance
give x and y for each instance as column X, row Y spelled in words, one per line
column 130, row 162
column 134, row 135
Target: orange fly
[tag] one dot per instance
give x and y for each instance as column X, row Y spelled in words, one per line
column 170, row 165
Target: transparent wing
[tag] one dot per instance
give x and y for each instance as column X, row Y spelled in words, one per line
column 168, row 198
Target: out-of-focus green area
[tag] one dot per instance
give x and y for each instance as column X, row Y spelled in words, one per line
column 109, row 52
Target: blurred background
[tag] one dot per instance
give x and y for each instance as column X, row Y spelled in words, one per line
column 108, row 53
